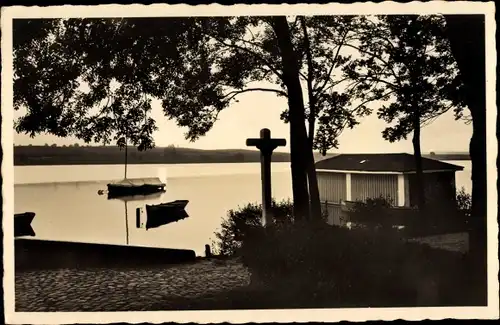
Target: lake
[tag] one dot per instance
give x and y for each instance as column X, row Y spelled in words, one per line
column 68, row 207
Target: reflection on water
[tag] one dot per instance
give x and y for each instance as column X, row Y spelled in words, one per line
column 126, row 200
column 75, row 212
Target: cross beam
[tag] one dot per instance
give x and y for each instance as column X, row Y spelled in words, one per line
column 266, row 145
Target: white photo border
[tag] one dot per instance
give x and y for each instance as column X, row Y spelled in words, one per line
column 239, row 316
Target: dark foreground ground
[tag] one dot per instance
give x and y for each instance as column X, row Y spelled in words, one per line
column 203, row 284
column 122, row 289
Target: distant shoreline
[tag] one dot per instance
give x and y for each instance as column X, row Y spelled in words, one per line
column 112, row 155
column 145, row 163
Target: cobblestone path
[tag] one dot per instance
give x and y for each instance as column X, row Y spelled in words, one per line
column 123, row 290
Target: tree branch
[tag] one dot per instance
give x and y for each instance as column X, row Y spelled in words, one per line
column 251, row 33
column 259, row 57
column 309, row 78
column 235, row 93
column 334, row 63
column 430, row 118
column 335, row 83
column 374, row 79
column 303, row 75
column 371, row 100
column 377, row 57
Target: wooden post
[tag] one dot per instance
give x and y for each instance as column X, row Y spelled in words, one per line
column 266, row 145
column 208, row 252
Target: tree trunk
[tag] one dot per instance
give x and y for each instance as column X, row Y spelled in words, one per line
column 417, row 153
column 314, row 190
column 311, row 169
column 467, row 40
column 298, row 136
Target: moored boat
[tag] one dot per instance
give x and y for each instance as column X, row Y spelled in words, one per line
column 165, row 213
column 135, row 186
column 22, row 224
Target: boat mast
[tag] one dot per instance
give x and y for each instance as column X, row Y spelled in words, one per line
column 126, row 155
column 126, row 221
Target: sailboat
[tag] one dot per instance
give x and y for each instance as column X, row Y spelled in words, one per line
column 134, row 186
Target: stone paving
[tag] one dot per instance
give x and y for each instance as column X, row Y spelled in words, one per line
column 122, row 289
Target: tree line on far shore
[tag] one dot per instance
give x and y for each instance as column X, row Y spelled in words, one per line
column 77, row 154
column 86, row 155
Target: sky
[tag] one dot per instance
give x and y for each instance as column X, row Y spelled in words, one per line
column 257, row 110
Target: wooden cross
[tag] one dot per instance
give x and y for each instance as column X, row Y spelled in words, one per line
column 266, row 145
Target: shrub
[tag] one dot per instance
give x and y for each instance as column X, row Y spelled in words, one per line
column 380, row 214
column 464, row 203
column 317, row 262
column 238, row 223
column 375, row 213
column 321, row 265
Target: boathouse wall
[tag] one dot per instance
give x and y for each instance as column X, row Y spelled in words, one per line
column 366, row 186
column 332, row 186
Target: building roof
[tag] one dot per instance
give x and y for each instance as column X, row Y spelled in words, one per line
column 388, row 162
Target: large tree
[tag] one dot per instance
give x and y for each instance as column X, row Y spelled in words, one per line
column 84, row 88
column 408, row 62
column 467, row 38
column 76, row 76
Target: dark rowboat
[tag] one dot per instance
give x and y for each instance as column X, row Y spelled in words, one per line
column 165, row 213
column 22, row 224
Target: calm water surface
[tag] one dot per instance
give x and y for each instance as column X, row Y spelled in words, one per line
column 68, row 207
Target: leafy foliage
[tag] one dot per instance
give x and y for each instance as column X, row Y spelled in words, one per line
column 87, row 78
column 239, row 223
column 464, row 203
column 374, row 213
column 351, row 268
column 332, row 106
column 406, row 64
column 95, row 78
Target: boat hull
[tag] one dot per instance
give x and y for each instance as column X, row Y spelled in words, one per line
column 115, row 191
column 165, row 213
column 22, row 224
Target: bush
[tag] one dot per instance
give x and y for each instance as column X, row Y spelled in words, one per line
column 315, row 263
column 238, row 223
column 380, row 214
column 464, row 203
column 321, row 265
column 375, row 213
